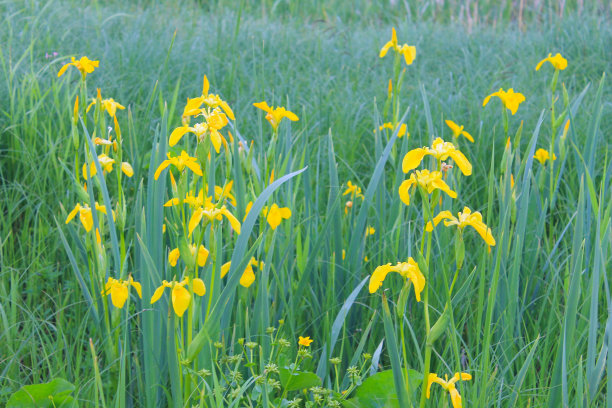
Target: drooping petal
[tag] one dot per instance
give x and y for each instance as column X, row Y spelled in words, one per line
column 195, row 219
column 198, row 287
column 157, row 294
column 263, row 106
column 484, row 232
column 173, row 256
column 430, row 380
column 137, row 287
column 455, row 397
column 225, row 268
column 413, row 158
column 63, row 69
column 441, row 185
column 195, row 167
column 73, row 213
column 86, row 219
column 385, row 49
column 177, row 134
column 215, row 138
column 462, row 162
column 467, row 136
column 127, row 169
column 248, row 277
column 180, row 299
column 232, row 220
column 202, row 256
column 119, row 294
column 404, row 190
column 291, row 116
column 443, row 215
column 161, row 168
column 378, row 277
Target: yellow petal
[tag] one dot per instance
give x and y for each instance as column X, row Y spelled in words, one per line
column 177, row 134
column 196, row 217
column 63, row 69
column 232, row 220
column 157, row 294
column 202, row 256
column 119, row 294
column 173, row 256
column 291, row 116
column 404, row 190
column 248, row 277
column 195, row 167
column 137, row 286
column 263, row 106
column 205, row 86
column 225, row 268
column 161, row 168
column 412, row 159
column 384, row 49
column 73, row 213
column 198, row 287
column 441, row 185
column 441, row 216
column 378, row 277
column 180, row 299
column 462, row 162
column 127, row 169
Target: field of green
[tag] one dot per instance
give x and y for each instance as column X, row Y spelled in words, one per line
column 167, row 239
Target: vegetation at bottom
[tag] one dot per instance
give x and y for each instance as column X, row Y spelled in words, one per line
column 320, row 204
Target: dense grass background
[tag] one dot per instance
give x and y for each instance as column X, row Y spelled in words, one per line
column 321, row 61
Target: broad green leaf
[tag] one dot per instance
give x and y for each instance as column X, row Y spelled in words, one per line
column 298, row 380
column 52, row 394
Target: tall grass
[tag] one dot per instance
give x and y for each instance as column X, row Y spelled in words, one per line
column 532, row 316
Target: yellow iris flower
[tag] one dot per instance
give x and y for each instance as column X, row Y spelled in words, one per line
column 439, row 149
column 274, row 116
column 180, row 295
column 109, row 105
column 85, row 215
column 180, row 162
column 304, row 341
column 274, row 215
column 409, row 270
column 557, row 61
column 84, row 65
column 458, row 130
column 107, row 166
column 542, row 155
column 510, row 99
column 429, row 180
column 353, row 190
column 449, row 385
column 215, row 121
column 212, row 213
column 248, row 276
column 202, row 255
column 118, row 290
column 388, row 125
column 464, row 219
column 408, row 51
column 192, row 108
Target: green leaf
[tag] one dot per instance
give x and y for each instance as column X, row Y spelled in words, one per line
column 375, row 391
column 51, row 394
column 298, row 380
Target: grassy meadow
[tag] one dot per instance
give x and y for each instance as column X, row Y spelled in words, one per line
column 122, row 284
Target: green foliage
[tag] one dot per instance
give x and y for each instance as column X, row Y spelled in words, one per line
column 52, row 394
column 530, row 318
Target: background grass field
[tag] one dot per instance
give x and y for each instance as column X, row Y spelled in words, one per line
column 552, row 324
